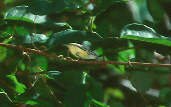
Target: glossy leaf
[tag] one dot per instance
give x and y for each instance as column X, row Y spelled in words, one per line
column 144, row 33
column 21, row 13
column 32, row 38
column 41, row 7
column 69, row 36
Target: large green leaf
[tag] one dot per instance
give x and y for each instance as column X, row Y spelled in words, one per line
column 79, row 84
column 31, row 38
column 21, row 13
column 144, row 33
column 69, row 35
column 109, row 23
column 42, row 7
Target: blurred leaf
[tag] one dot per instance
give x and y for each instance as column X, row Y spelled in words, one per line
column 3, row 53
column 102, row 5
column 21, row 30
column 42, row 7
column 126, row 56
column 21, row 13
column 79, row 83
column 100, row 104
column 35, row 38
column 144, row 33
column 5, row 100
column 53, row 74
column 142, row 81
column 62, row 24
column 110, row 92
column 116, row 104
column 156, row 10
column 94, row 89
column 39, row 64
column 31, row 38
column 8, row 1
column 165, row 4
column 69, row 36
column 165, row 95
column 39, row 95
column 109, row 23
column 31, row 102
column 140, row 11
column 75, row 97
column 19, row 87
column 7, row 32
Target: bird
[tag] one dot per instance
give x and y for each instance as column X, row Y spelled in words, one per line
column 81, row 51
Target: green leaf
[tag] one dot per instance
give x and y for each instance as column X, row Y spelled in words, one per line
column 126, row 56
column 3, row 53
column 35, row 38
column 75, row 97
column 39, row 95
column 39, row 63
column 31, row 102
column 5, row 100
column 69, row 36
column 53, row 74
column 31, row 38
column 144, row 33
column 156, row 10
column 165, row 95
column 94, row 89
column 21, row 30
column 110, row 92
column 21, row 13
column 69, row 79
column 19, row 87
column 7, row 32
column 100, row 104
column 142, row 81
column 42, row 7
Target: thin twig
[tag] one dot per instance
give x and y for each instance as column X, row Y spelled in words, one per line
column 39, row 52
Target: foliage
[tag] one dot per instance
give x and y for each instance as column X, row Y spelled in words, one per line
column 118, row 30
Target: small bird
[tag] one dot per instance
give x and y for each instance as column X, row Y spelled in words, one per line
column 81, row 51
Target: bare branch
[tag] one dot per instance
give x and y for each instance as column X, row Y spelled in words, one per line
column 39, row 52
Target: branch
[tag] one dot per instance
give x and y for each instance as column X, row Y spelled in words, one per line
column 60, row 58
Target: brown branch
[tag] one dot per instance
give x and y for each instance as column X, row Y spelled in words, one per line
column 59, row 58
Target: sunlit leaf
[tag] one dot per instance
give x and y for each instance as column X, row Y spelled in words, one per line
column 144, row 33
column 19, row 87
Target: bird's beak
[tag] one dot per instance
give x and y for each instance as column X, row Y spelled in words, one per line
column 66, row 45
